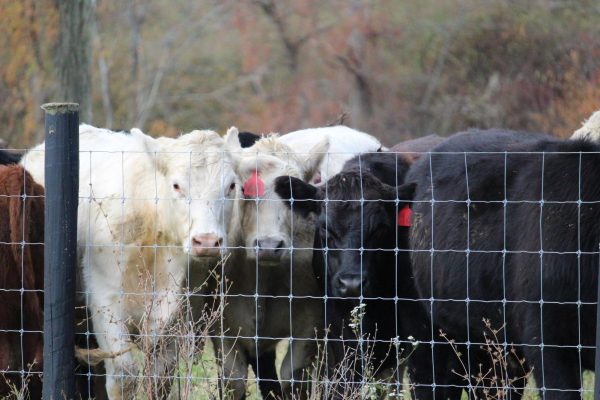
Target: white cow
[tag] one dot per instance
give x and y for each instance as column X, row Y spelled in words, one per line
column 265, row 272
column 257, row 299
column 148, row 207
column 269, row 233
column 590, row 130
column 344, row 143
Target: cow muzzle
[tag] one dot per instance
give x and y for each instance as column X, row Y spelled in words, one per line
column 206, row 245
column 350, row 285
column 268, row 249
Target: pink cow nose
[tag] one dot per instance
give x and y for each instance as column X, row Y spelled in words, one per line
column 206, row 245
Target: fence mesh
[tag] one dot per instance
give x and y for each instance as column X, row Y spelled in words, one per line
column 269, row 309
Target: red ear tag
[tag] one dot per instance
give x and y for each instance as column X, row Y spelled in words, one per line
column 404, row 216
column 254, row 187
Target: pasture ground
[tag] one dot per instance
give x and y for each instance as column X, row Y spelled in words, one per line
column 204, row 377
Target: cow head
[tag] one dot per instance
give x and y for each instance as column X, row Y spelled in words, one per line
column 201, row 186
column 356, row 227
column 267, row 226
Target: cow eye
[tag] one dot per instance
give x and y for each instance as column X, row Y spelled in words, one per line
column 232, row 186
column 176, row 187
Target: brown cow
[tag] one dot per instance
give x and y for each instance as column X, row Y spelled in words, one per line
column 412, row 149
column 21, row 282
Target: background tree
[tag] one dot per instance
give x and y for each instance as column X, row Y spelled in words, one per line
column 74, row 54
column 399, row 69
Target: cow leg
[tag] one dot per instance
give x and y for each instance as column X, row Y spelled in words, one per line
column 163, row 360
column 446, row 361
column 233, row 369
column 559, row 372
column 295, row 368
column 295, row 372
column 264, row 369
column 113, row 337
column 164, row 367
column 423, row 373
column 34, row 351
column 420, row 372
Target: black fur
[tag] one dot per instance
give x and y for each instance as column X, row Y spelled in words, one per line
column 247, row 139
column 9, row 157
column 344, row 226
column 524, row 227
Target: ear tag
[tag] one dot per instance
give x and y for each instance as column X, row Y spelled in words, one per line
column 254, row 187
column 404, row 216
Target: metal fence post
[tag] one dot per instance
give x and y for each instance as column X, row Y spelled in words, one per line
column 597, row 366
column 60, row 251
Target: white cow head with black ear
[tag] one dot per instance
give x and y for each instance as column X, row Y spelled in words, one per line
column 267, row 227
column 201, row 183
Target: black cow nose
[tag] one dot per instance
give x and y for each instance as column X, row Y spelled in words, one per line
column 351, row 285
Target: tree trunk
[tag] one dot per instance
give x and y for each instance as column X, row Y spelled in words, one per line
column 74, row 54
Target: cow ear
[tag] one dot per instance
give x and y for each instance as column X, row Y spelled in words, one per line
column 153, row 147
column 405, row 193
column 150, row 144
column 232, row 140
column 232, row 144
column 248, row 163
column 302, row 197
column 311, row 161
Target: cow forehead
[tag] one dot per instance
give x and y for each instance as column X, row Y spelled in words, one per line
column 268, row 166
column 203, row 173
column 346, row 214
column 198, row 148
column 201, row 161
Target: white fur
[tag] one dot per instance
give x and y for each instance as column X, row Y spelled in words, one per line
column 344, row 143
column 269, row 217
column 301, row 154
column 134, row 229
column 590, row 129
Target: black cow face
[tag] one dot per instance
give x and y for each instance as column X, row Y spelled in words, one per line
column 356, row 229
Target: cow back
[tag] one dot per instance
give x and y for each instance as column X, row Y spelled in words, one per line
column 513, row 222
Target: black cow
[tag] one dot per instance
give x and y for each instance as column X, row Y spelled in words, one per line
column 378, row 276
column 511, row 238
column 247, row 139
column 9, row 157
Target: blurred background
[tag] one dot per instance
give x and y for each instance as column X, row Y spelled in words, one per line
column 397, row 69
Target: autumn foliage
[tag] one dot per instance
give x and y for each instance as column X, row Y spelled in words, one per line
column 398, row 68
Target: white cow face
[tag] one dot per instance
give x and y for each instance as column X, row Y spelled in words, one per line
column 201, row 183
column 267, row 227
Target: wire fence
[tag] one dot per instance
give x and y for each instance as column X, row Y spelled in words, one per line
column 224, row 273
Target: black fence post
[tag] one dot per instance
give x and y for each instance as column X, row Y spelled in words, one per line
column 60, row 251
column 597, row 366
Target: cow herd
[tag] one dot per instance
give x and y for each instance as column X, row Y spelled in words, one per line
column 468, row 262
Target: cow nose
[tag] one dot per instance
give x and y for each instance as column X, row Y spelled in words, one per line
column 206, row 245
column 351, row 285
column 269, row 249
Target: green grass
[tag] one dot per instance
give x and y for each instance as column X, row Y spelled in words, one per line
column 531, row 392
column 203, row 379
column 588, row 386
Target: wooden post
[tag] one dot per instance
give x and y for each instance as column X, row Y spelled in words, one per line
column 60, row 250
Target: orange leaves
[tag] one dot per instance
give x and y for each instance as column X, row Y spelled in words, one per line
column 27, row 34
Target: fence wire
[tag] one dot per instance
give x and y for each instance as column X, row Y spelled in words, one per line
column 255, row 320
